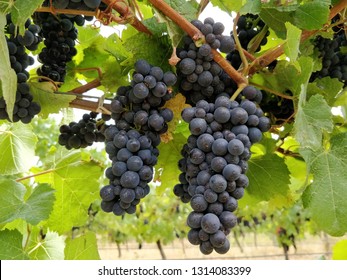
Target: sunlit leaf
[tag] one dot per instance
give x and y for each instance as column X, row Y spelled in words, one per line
column 17, row 148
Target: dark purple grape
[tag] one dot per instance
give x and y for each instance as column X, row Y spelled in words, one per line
column 210, row 223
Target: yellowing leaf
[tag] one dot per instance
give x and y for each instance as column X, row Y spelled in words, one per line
column 176, row 105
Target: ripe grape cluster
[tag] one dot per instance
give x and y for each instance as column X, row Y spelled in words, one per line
column 75, row 4
column 131, row 142
column 83, row 133
column 213, row 32
column 277, row 108
column 334, row 61
column 59, row 35
column 81, row 5
column 24, row 108
column 214, row 164
column 200, row 76
column 251, row 32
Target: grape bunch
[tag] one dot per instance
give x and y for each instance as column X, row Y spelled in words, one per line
column 30, row 39
column 200, row 76
column 133, row 157
column 251, row 33
column 277, row 108
column 83, row 133
column 76, row 4
column 140, row 118
column 334, row 61
column 59, row 35
column 80, row 5
column 248, row 28
column 213, row 32
column 214, row 164
column 24, row 108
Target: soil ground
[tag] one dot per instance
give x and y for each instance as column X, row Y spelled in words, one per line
column 252, row 247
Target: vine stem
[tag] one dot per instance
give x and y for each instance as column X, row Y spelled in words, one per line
column 34, row 175
column 123, row 10
column 39, row 78
column 66, row 11
column 248, row 55
column 272, row 91
column 196, row 35
column 265, row 59
column 127, row 14
column 231, row 71
column 88, row 105
column 238, row 45
column 203, row 4
column 337, row 8
column 238, row 91
column 28, row 237
column 93, row 84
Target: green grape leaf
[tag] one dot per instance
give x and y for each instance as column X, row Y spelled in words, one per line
column 93, row 56
column 326, row 196
column 291, row 48
column 17, row 148
column 8, row 77
column 151, row 49
column 229, row 6
column 82, row 248
column 75, row 179
column 88, row 36
column 113, row 45
column 311, row 15
column 298, row 174
column 166, row 169
column 340, row 250
column 96, row 53
column 341, row 99
column 252, row 7
column 49, row 101
column 268, row 176
column 327, row 87
column 11, row 245
column 34, row 209
column 112, row 69
column 49, row 248
column 287, row 76
column 22, row 10
column 312, row 119
column 157, row 28
column 187, row 9
column 276, row 20
column 282, row 5
column 175, row 32
column 5, row 6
